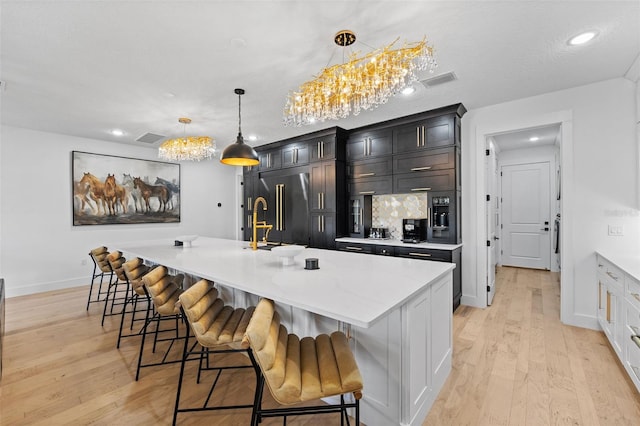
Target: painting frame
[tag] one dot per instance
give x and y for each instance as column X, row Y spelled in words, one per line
column 104, row 190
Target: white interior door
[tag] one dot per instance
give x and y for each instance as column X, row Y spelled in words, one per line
column 492, row 220
column 525, row 215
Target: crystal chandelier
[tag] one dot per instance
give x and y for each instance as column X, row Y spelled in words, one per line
column 361, row 83
column 189, row 148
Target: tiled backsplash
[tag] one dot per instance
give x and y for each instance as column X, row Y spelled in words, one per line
column 389, row 210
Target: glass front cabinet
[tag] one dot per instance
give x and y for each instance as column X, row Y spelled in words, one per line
column 360, row 216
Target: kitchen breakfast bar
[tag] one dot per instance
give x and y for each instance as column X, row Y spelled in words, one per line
column 397, row 311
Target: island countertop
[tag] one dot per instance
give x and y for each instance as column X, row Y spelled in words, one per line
column 348, row 287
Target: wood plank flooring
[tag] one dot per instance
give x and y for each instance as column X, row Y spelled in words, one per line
column 514, row 364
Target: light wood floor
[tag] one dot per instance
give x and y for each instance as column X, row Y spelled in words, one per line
column 514, row 364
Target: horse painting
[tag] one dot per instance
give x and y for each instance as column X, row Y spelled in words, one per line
column 81, row 192
column 149, row 191
column 174, row 190
column 127, row 182
column 115, row 195
column 96, row 189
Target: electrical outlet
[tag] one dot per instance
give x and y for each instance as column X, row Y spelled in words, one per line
column 616, row 230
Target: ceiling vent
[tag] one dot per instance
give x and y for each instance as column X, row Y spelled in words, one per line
column 150, row 138
column 439, row 79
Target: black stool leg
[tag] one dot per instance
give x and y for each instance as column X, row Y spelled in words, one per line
column 184, row 359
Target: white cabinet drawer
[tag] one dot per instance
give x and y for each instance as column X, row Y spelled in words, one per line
column 613, row 274
column 632, row 291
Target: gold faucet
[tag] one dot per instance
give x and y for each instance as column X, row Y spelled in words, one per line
column 260, row 225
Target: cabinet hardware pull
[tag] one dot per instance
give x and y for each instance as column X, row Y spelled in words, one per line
column 354, row 248
column 367, row 192
column 249, row 222
column 322, row 193
column 322, row 222
column 319, row 202
column 319, row 151
column 365, row 174
column 599, row 295
column 419, row 254
column 319, row 225
column 295, row 155
column 269, row 160
column 322, row 149
column 417, row 169
column 613, row 276
column 421, row 189
column 249, row 203
column 417, row 136
column 364, row 147
column 608, row 306
column 422, row 135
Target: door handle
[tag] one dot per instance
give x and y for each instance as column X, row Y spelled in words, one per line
column 418, row 169
column 544, row 229
column 496, row 238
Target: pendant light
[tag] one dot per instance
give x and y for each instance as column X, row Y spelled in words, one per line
column 239, row 153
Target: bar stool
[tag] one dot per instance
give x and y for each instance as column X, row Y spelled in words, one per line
column 116, row 295
column 298, row 370
column 218, row 328
column 134, row 270
column 101, row 269
column 163, row 290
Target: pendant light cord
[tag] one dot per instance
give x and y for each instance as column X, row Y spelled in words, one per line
column 239, row 115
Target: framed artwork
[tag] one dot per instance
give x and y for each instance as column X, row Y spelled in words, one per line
column 110, row 190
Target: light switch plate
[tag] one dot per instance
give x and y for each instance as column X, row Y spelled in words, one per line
column 616, row 230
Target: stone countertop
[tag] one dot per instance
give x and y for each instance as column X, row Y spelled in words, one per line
column 347, row 287
column 630, row 264
column 397, row 243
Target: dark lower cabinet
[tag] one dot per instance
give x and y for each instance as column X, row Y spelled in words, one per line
column 322, row 230
column 437, row 255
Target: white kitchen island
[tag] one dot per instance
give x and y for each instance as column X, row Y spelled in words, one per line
column 397, row 311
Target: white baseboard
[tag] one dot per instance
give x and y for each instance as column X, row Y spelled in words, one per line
column 473, row 301
column 583, row 320
column 42, row 287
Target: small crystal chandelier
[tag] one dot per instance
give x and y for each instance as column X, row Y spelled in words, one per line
column 361, row 83
column 187, row 148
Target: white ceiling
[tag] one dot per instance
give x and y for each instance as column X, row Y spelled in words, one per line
column 83, row 68
column 546, row 135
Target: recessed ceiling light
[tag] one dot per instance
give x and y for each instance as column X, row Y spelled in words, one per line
column 408, row 90
column 582, row 38
column 533, row 139
column 117, row 132
column 252, row 138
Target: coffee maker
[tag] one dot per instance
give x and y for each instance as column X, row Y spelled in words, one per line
column 414, row 230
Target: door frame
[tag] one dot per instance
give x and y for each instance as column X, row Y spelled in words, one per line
column 564, row 118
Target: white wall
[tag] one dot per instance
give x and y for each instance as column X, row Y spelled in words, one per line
column 599, row 154
column 41, row 250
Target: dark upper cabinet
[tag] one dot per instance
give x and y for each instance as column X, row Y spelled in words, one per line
column 380, row 166
column 376, row 185
column 368, row 144
column 435, row 132
column 270, row 160
column 295, row 154
column 323, row 148
column 438, row 180
column 435, row 159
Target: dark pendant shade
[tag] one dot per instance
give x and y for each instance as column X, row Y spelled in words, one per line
column 239, row 154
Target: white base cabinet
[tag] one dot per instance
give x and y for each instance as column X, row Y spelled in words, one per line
column 404, row 358
column 619, row 313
